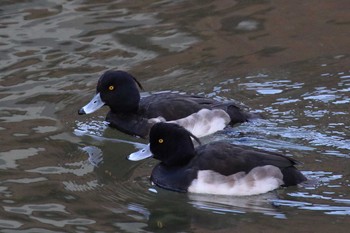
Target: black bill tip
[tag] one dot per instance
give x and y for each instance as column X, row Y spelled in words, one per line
column 81, row 111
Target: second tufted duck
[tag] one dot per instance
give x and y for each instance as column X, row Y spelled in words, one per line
column 130, row 113
column 217, row 167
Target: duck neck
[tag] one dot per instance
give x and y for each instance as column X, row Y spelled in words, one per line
column 178, row 160
column 129, row 106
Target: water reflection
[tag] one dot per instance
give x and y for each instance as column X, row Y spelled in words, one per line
column 238, row 205
column 9, row 224
column 8, row 158
column 269, row 87
column 58, row 172
column 55, row 209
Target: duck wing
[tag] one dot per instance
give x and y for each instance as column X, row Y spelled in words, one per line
column 228, row 159
column 173, row 106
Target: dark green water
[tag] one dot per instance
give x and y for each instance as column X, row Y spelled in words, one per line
column 61, row 172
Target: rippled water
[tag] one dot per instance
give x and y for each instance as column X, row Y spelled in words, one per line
column 61, row 172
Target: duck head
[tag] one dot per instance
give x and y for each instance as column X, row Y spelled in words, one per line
column 116, row 89
column 171, row 144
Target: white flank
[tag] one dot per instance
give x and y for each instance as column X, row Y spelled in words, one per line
column 201, row 123
column 259, row 180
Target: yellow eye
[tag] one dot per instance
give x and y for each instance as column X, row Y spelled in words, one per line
column 160, row 141
column 111, row 88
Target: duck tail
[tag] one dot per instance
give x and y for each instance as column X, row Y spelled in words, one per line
column 241, row 115
column 292, row 176
column 238, row 113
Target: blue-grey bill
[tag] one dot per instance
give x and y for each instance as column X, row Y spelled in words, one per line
column 141, row 154
column 94, row 104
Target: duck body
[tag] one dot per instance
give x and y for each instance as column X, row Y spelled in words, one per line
column 217, row 167
column 130, row 113
column 171, row 107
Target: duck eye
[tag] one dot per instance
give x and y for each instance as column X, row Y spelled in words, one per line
column 111, row 88
column 160, row 141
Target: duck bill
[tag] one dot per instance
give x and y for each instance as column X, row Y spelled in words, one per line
column 94, row 104
column 141, row 154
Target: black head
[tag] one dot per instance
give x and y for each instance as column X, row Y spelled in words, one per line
column 171, row 144
column 118, row 90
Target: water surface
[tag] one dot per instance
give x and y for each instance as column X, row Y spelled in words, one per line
column 61, row 172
